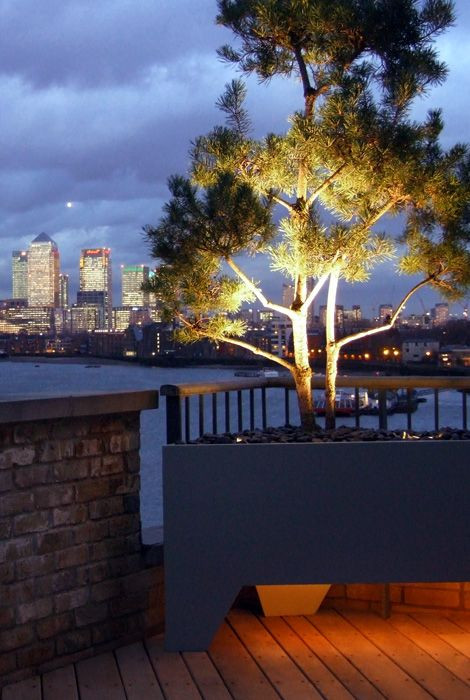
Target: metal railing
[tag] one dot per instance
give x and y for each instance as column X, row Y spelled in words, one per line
column 232, row 415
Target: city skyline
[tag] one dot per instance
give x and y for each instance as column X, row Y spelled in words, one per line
column 92, row 125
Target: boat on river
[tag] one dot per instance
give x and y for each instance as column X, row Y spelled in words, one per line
column 256, row 373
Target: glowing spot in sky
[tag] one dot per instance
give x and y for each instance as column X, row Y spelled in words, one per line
column 69, row 205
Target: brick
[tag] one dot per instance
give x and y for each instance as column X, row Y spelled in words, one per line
column 36, row 655
column 31, row 522
column 16, row 637
column 70, row 515
column 88, row 447
column 105, row 590
column 55, row 450
column 69, row 600
column 92, row 489
column 52, row 496
column 106, row 507
column 73, row 641
column 107, row 424
column 114, row 629
column 91, row 531
column 7, row 617
column 5, row 529
column 71, row 470
column 18, row 548
column 108, row 549
column 70, row 428
column 31, row 432
column 16, row 503
column 73, row 556
column 52, row 626
column 18, row 593
column 140, row 581
column 432, row 597
column 108, row 464
column 20, row 456
column 124, row 525
column 132, row 462
column 122, row 566
column 7, row 663
column 6, row 480
column 7, row 573
column 53, row 540
column 26, row 612
column 64, row 581
column 129, row 483
column 94, row 573
column 129, row 604
column 91, row 613
column 31, row 476
column 34, row 566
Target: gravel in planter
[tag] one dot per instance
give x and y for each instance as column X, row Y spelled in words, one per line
column 341, row 434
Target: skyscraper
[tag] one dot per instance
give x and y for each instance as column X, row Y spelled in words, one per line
column 133, row 276
column 96, row 276
column 19, row 265
column 43, row 272
column 63, row 291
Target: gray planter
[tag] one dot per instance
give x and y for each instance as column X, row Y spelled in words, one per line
column 275, row 514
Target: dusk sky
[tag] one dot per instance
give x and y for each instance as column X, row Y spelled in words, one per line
column 100, row 100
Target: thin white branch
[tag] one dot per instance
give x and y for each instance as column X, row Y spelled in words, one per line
column 324, row 185
column 391, row 323
column 282, row 202
column 317, row 288
column 258, row 293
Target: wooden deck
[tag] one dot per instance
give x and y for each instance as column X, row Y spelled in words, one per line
column 335, row 655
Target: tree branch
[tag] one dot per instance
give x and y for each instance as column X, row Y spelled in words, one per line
column 386, row 208
column 257, row 292
column 281, row 201
column 387, row 326
column 314, row 292
column 324, row 185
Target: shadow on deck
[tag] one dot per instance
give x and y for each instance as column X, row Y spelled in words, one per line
column 333, row 655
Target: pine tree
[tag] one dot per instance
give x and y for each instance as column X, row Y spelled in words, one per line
column 351, row 155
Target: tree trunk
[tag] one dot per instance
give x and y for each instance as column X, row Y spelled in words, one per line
column 302, row 372
column 332, row 353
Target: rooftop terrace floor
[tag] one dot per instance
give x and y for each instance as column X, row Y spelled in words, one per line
column 330, row 655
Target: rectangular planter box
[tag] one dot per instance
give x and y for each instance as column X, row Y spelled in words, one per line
column 274, row 514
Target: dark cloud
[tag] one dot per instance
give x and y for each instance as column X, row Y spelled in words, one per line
column 100, row 100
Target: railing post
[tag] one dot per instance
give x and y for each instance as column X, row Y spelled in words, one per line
column 383, row 418
column 173, row 419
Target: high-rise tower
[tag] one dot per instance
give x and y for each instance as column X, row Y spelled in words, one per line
column 133, row 277
column 96, row 276
column 19, row 268
column 43, row 272
column 63, row 291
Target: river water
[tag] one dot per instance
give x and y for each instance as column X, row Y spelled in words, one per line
column 26, row 378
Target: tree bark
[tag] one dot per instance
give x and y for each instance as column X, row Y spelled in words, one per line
column 332, row 353
column 302, row 372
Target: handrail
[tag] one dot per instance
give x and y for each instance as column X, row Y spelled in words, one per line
column 318, row 382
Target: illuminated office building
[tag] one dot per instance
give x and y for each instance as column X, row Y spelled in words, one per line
column 43, row 272
column 133, row 277
column 96, row 276
column 63, row 291
column 19, row 268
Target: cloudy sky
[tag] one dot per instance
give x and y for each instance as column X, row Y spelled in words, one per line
column 100, row 100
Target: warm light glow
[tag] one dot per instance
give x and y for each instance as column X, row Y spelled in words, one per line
column 386, row 352
column 366, row 356
column 396, row 352
column 428, row 354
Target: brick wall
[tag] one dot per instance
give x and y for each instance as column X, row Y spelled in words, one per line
column 73, row 580
column 404, row 597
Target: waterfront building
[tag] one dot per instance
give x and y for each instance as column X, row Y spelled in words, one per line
column 43, row 272
column 132, row 278
column 440, row 314
column 31, row 319
column 385, row 313
column 19, row 276
column 339, row 316
column 419, row 350
column 96, row 276
column 86, row 318
column 63, row 291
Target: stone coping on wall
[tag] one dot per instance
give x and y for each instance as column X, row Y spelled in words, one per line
column 35, row 406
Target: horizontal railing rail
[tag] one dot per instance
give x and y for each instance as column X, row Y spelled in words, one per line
column 179, row 413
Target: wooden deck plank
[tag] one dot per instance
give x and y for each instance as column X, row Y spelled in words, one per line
column 357, row 684
column 30, row 689
column 379, row 669
column 436, row 679
column 462, row 620
column 60, row 683
column 321, row 677
column 446, row 630
column 99, row 679
column 206, row 676
column 171, row 671
column 241, row 674
column 287, row 679
column 137, row 673
column 436, row 647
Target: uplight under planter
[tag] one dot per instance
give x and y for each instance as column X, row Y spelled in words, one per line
column 292, row 600
column 315, row 513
